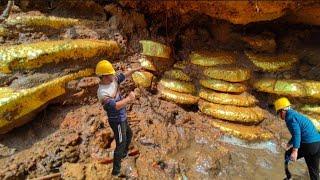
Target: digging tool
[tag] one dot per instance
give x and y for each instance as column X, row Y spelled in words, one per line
column 286, row 168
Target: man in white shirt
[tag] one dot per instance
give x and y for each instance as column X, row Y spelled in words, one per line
column 115, row 106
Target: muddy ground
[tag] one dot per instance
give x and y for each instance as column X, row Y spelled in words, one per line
column 71, row 135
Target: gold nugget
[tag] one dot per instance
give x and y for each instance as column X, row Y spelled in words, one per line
column 243, row 99
column 176, row 74
column 232, row 113
column 35, row 55
column 205, row 58
column 228, row 73
column 179, row 86
column 176, row 97
column 155, row 49
column 142, row 79
column 223, row 86
column 16, row 107
column 273, row 63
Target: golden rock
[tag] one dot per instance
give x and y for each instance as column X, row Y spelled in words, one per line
column 232, row 113
column 35, row 55
column 146, row 63
column 3, row 31
column 273, row 63
column 261, row 43
column 249, row 133
column 293, row 88
column 43, row 21
column 178, row 86
column 243, row 99
column 177, row 97
column 205, row 58
column 223, row 86
column 310, row 108
column 142, row 79
column 228, row 73
column 155, row 49
column 176, row 74
column 16, row 108
column 181, row 65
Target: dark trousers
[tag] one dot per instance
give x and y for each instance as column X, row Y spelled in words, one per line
column 311, row 154
column 123, row 135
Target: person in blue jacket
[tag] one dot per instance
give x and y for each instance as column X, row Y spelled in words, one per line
column 305, row 141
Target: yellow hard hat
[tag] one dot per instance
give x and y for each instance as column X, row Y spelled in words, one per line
column 104, row 67
column 281, row 103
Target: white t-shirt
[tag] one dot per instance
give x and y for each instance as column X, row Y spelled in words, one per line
column 109, row 90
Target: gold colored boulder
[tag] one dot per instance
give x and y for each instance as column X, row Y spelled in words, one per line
column 17, row 107
column 273, row 63
column 310, row 108
column 243, row 99
column 249, row 133
column 181, row 65
column 4, row 91
column 178, row 86
column 146, row 63
column 43, row 21
column 176, row 74
column 176, row 97
column 3, row 31
column 35, row 55
column 223, row 86
column 205, row 58
column 155, row 49
column 294, row 88
column 232, row 113
column 142, row 79
column 228, row 73
column 261, row 43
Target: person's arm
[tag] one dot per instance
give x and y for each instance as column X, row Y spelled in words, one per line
column 295, row 131
column 111, row 103
column 131, row 71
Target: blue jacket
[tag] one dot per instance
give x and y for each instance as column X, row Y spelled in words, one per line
column 109, row 105
column 301, row 129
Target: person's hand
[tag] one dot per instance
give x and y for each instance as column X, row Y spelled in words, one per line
column 138, row 68
column 294, row 155
column 132, row 96
column 286, row 146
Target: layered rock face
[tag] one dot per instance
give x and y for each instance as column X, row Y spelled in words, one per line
column 238, row 12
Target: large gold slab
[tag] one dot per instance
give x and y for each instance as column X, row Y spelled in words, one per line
column 294, row 88
column 155, row 49
column 206, row 58
column 147, row 63
column 228, row 73
column 273, row 63
column 177, row 97
column 16, row 106
column 232, row 113
column 223, row 86
column 310, row 108
column 176, row 74
column 142, row 79
column 178, row 86
column 243, row 99
column 35, row 55
column 249, row 133
column 261, row 43
column 42, row 21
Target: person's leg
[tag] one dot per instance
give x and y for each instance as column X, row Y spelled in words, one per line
column 313, row 166
column 312, row 160
column 119, row 135
column 129, row 137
